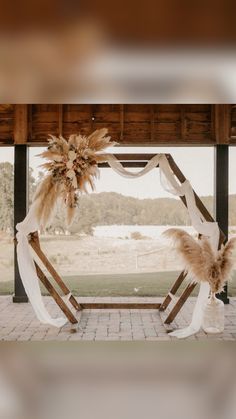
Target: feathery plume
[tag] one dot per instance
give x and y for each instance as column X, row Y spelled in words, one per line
column 72, row 167
column 201, row 261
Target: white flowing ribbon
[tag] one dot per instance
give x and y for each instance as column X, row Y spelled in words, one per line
column 169, row 182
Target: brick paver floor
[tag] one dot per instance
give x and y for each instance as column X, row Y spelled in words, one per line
column 18, row 322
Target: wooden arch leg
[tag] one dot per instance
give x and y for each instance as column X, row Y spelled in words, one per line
column 179, row 304
column 52, row 291
column 35, row 244
column 173, row 290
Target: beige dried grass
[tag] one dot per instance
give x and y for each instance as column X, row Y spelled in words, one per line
column 201, row 261
column 71, row 167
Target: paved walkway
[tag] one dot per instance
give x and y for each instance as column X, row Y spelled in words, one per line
column 18, row 322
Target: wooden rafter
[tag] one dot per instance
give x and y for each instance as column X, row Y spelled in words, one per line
column 121, row 123
column 222, row 119
column 183, row 123
column 152, row 123
column 20, row 124
column 60, row 119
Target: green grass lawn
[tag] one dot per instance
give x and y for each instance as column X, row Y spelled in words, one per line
column 146, row 284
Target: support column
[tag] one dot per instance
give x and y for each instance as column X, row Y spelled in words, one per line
column 20, row 209
column 221, row 203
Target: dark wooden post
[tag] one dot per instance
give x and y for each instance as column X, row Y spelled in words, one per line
column 222, row 196
column 20, row 208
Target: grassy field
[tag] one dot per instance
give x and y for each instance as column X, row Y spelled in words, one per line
column 140, row 284
column 94, row 266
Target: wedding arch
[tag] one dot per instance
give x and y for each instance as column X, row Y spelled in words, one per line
column 72, row 165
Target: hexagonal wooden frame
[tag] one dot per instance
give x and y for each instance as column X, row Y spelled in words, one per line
column 127, row 160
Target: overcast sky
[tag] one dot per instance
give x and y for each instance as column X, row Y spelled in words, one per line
column 197, row 164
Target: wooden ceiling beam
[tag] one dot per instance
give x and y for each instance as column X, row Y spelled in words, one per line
column 131, row 125
column 122, row 122
column 20, row 132
column 222, row 119
column 60, row 119
column 152, row 122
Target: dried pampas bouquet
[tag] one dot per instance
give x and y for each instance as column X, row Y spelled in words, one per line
column 201, row 261
column 71, row 166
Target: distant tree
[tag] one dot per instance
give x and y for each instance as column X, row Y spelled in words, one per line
column 32, row 184
column 104, row 208
column 6, row 197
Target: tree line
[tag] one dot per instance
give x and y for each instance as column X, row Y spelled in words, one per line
column 104, row 208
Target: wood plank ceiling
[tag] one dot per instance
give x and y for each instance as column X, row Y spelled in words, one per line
column 127, row 124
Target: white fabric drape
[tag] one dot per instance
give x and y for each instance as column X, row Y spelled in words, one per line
column 209, row 229
column 28, row 271
column 170, row 183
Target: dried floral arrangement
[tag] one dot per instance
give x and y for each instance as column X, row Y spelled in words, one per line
column 72, row 165
column 201, row 261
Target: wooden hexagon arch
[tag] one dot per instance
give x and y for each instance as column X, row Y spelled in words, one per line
column 128, row 160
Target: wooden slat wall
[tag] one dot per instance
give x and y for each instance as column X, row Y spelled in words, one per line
column 127, row 124
column 6, row 124
column 233, row 124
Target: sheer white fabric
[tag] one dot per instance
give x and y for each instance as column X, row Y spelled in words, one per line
column 209, row 229
column 118, row 168
column 170, row 183
column 28, row 271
